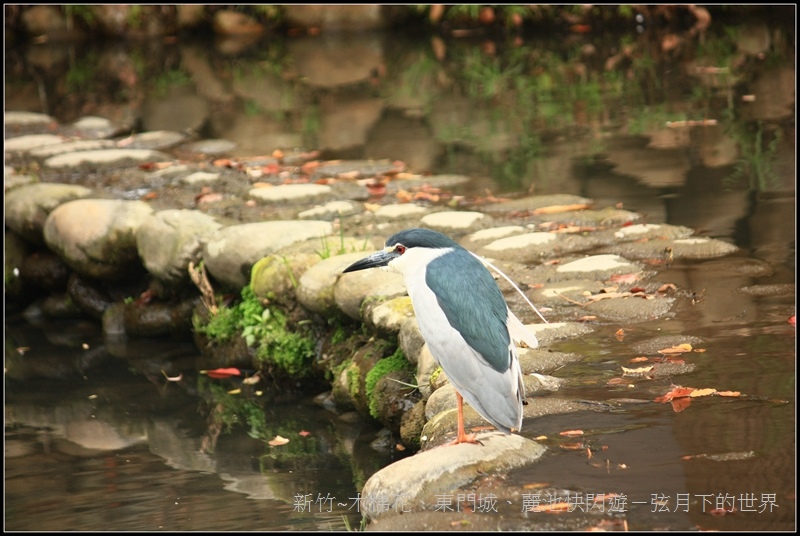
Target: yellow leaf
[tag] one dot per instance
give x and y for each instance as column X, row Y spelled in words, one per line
column 681, row 348
column 640, row 370
column 555, row 209
column 278, row 441
column 702, row 392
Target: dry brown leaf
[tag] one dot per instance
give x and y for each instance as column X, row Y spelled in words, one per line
column 729, row 393
column 680, row 349
column 616, row 381
column 536, row 485
column 349, row 175
column 555, row 209
column 640, row 370
column 404, row 196
column 372, row 207
column 620, row 334
column 571, row 433
column 554, row 508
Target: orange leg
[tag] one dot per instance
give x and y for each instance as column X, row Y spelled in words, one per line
column 462, row 437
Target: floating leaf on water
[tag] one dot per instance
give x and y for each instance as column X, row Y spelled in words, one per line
column 277, row 441
column 702, row 392
column 640, row 370
column 680, row 349
column 222, row 372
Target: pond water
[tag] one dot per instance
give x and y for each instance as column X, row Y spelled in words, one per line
column 97, row 438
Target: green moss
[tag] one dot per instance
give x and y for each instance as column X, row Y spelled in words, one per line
column 396, row 361
column 352, row 380
column 435, row 375
column 339, row 335
column 222, row 326
column 290, row 351
column 264, row 327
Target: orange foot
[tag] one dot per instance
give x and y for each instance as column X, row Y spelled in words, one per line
column 465, row 438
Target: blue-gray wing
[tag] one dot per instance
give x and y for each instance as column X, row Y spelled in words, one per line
column 473, row 305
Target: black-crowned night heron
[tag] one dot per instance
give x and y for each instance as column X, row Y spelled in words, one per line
column 465, row 321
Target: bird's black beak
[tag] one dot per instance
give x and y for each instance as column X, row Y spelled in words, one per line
column 381, row 258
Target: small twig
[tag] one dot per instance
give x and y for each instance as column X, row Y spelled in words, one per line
column 200, row 279
column 570, row 300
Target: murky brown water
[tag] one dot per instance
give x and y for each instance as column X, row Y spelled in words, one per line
column 119, row 448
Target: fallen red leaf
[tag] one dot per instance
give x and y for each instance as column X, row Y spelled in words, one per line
column 376, row 189
column 680, row 404
column 222, row 372
column 676, row 392
column 272, row 169
column 625, row 278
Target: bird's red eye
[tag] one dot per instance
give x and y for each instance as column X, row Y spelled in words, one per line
column 400, row 248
